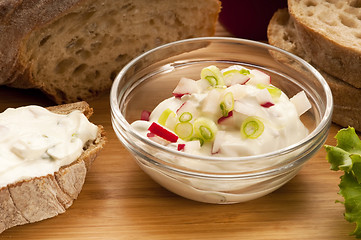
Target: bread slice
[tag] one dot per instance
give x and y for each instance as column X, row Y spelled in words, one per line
column 329, row 33
column 282, row 33
column 73, row 49
column 44, row 197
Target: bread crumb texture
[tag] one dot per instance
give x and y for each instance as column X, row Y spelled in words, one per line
column 340, row 20
column 77, row 54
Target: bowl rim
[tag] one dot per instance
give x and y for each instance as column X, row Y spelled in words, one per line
column 324, row 123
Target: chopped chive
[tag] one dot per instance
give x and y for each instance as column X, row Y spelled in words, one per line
column 164, row 116
column 205, row 128
column 227, row 104
column 184, row 130
column 274, row 91
column 213, row 75
column 244, row 71
column 252, row 128
column 185, row 117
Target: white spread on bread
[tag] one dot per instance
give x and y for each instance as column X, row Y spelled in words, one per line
column 35, row 142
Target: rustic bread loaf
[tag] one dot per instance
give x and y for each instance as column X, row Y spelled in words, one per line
column 73, row 49
column 44, row 197
column 329, row 32
column 283, row 34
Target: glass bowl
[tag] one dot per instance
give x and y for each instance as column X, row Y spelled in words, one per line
column 150, row 78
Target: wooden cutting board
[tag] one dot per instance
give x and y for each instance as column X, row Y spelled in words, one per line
column 119, row 201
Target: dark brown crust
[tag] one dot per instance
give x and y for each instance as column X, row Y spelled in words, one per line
column 19, row 18
column 45, row 197
column 330, row 55
column 283, row 34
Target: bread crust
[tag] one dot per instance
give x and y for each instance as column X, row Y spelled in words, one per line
column 325, row 32
column 44, row 197
column 93, row 54
column 282, row 33
column 17, row 19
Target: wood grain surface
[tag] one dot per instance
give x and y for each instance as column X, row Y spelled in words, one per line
column 119, row 201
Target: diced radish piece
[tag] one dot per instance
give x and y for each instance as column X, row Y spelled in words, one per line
column 185, row 86
column 245, row 109
column 220, row 138
column 157, row 139
column 301, row 102
column 162, row 132
column 192, row 146
column 264, row 98
column 210, row 103
column 181, row 147
column 259, row 77
column 239, row 91
column 187, row 106
column 233, row 76
column 229, row 120
column 145, row 115
column 203, row 84
column 241, row 80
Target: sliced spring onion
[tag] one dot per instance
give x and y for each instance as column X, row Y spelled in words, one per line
column 184, row 130
column 213, row 75
column 227, row 104
column 231, row 72
column 252, row 128
column 275, row 92
column 165, row 115
column 244, row 71
column 205, row 128
column 185, row 117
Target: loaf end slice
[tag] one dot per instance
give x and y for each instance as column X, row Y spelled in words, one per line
column 76, row 54
column 329, row 32
column 282, row 33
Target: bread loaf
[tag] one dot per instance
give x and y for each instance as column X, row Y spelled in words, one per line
column 43, row 197
column 329, row 33
column 282, row 33
column 73, row 49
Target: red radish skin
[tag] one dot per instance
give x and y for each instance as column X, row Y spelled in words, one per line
column 180, row 107
column 179, row 95
column 181, row 147
column 145, row 115
column 162, row 132
column 267, row 104
column 222, row 119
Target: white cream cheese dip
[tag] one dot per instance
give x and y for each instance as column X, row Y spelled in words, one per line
column 35, row 142
column 227, row 113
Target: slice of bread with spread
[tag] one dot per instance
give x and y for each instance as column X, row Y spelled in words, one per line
column 73, row 49
column 283, row 33
column 329, row 33
column 33, row 199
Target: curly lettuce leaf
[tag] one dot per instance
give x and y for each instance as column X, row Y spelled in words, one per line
column 346, row 156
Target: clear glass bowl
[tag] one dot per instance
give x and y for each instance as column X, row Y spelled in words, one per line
column 151, row 78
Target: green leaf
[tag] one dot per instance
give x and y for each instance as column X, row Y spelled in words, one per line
column 350, row 189
column 348, row 140
column 338, row 158
column 346, row 156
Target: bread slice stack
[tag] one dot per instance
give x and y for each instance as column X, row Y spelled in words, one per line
column 327, row 34
column 43, row 197
column 72, row 50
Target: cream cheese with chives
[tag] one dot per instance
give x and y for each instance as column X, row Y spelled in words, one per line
column 228, row 113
